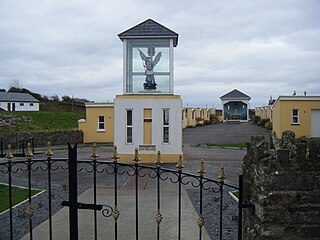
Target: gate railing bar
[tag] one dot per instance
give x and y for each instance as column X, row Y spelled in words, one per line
column 200, row 219
column 73, row 192
column 95, row 198
column 94, row 156
column 240, row 207
column 158, row 214
column 115, row 169
column 9, row 156
column 49, row 197
column 136, row 165
column 179, row 166
column 222, row 178
column 30, row 209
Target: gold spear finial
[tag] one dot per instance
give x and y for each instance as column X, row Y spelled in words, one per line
column 29, row 211
column 222, row 176
column 29, row 151
column 158, row 162
column 201, row 170
column 180, row 163
column 115, row 156
column 9, row 152
column 94, row 154
column 49, row 152
column 136, row 156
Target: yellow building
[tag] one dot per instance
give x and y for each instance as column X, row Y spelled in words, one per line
column 184, row 117
column 191, row 117
column 300, row 114
column 99, row 124
column 199, row 116
column 264, row 112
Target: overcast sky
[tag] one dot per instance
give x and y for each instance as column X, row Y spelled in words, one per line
column 261, row 48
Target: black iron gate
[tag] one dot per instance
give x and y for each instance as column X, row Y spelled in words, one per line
column 117, row 169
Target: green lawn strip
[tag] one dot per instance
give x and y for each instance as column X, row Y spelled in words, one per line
column 45, row 121
column 227, row 145
column 234, row 195
column 18, row 195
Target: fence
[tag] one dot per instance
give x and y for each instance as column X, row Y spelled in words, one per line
column 75, row 169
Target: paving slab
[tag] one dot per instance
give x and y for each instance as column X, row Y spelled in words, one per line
column 126, row 221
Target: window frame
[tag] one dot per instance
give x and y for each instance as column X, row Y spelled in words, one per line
column 101, row 124
column 129, row 126
column 165, row 125
column 295, row 118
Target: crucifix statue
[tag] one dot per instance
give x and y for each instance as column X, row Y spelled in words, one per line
column 149, row 63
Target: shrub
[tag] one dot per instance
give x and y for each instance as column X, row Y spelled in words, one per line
column 268, row 125
column 206, row 122
column 198, row 119
column 256, row 119
column 263, row 122
column 214, row 118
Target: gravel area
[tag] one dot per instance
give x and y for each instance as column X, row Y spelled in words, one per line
column 211, row 212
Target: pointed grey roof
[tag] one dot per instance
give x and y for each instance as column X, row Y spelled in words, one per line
column 149, row 28
column 16, row 97
column 235, row 95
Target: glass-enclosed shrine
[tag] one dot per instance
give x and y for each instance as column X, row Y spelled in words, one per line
column 148, row 59
column 148, row 66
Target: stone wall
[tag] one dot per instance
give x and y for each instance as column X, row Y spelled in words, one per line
column 42, row 138
column 283, row 184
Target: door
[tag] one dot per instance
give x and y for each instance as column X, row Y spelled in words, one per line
column 147, row 126
column 13, row 106
column 8, row 107
column 315, row 123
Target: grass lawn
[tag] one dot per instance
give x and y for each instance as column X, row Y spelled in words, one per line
column 18, row 195
column 236, row 194
column 234, row 145
column 45, row 121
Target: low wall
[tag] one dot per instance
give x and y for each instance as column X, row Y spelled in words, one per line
column 42, row 138
column 283, row 184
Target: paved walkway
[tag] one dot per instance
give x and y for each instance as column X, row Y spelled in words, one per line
column 126, row 221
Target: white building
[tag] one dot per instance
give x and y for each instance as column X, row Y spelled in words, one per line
column 148, row 114
column 18, row 102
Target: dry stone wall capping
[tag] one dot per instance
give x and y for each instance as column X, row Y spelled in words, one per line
column 283, row 184
column 42, row 138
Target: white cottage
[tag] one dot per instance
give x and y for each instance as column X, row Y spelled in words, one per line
column 18, row 102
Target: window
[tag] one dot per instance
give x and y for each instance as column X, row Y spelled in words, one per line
column 129, row 126
column 21, row 104
column 31, row 104
column 193, row 112
column 100, row 122
column 165, row 125
column 295, row 116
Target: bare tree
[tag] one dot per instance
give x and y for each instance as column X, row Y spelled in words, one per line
column 15, row 83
